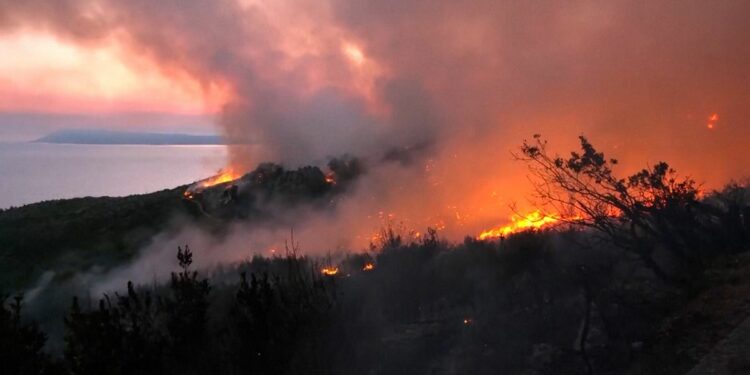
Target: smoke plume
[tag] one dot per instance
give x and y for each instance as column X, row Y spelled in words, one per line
column 304, row 80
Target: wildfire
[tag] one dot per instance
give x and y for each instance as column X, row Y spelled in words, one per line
column 368, row 267
column 225, row 175
column 534, row 220
column 329, row 271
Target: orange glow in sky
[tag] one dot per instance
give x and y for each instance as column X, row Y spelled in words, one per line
column 41, row 73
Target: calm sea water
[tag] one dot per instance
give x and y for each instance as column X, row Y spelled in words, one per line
column 33, row 172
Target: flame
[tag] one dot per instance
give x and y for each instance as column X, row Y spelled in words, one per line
column 534, row 220
column 225, row 175
column 331, row 178
column 329, row 271
column 368, row 267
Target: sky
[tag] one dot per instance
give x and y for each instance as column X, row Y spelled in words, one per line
column 47, row 84
column 464, row 83
column 43, row 74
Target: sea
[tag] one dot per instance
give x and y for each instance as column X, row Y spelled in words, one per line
column 34, row 172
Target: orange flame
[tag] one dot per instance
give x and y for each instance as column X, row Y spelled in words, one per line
column 226, row 175
column 331, row 178
column 534, row 220
column 368, row 267
column 329, row 271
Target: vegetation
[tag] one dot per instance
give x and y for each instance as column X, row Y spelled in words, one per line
column 21, row 343
column 75, row 234
column 643, row 213
column 645, row 279
column 72, row 235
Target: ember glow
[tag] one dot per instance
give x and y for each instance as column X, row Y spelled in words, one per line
column 532, row 221
column 331, row 178
column 330, row 271
column 368, row 267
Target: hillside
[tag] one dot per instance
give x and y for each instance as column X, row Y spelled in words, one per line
column 74, row 234
column 652, row 290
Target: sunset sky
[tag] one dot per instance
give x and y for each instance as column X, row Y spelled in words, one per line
column 41, row 73
column 47, row 83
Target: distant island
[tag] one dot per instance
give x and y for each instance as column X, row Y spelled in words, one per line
column 111, row 137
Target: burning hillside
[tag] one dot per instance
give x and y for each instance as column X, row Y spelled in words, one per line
column 534, row 220
column 433, row 98
column 263, row 192
column 222, row 177
column 341, row 77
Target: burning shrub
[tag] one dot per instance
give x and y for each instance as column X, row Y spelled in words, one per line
column 642, row 213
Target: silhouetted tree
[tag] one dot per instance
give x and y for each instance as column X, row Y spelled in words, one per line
column 21, row 343
column 637, row 213
column 186, row 316
column 732, row 211
column 120, row 338
column 276, row 321
column 135, row 335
